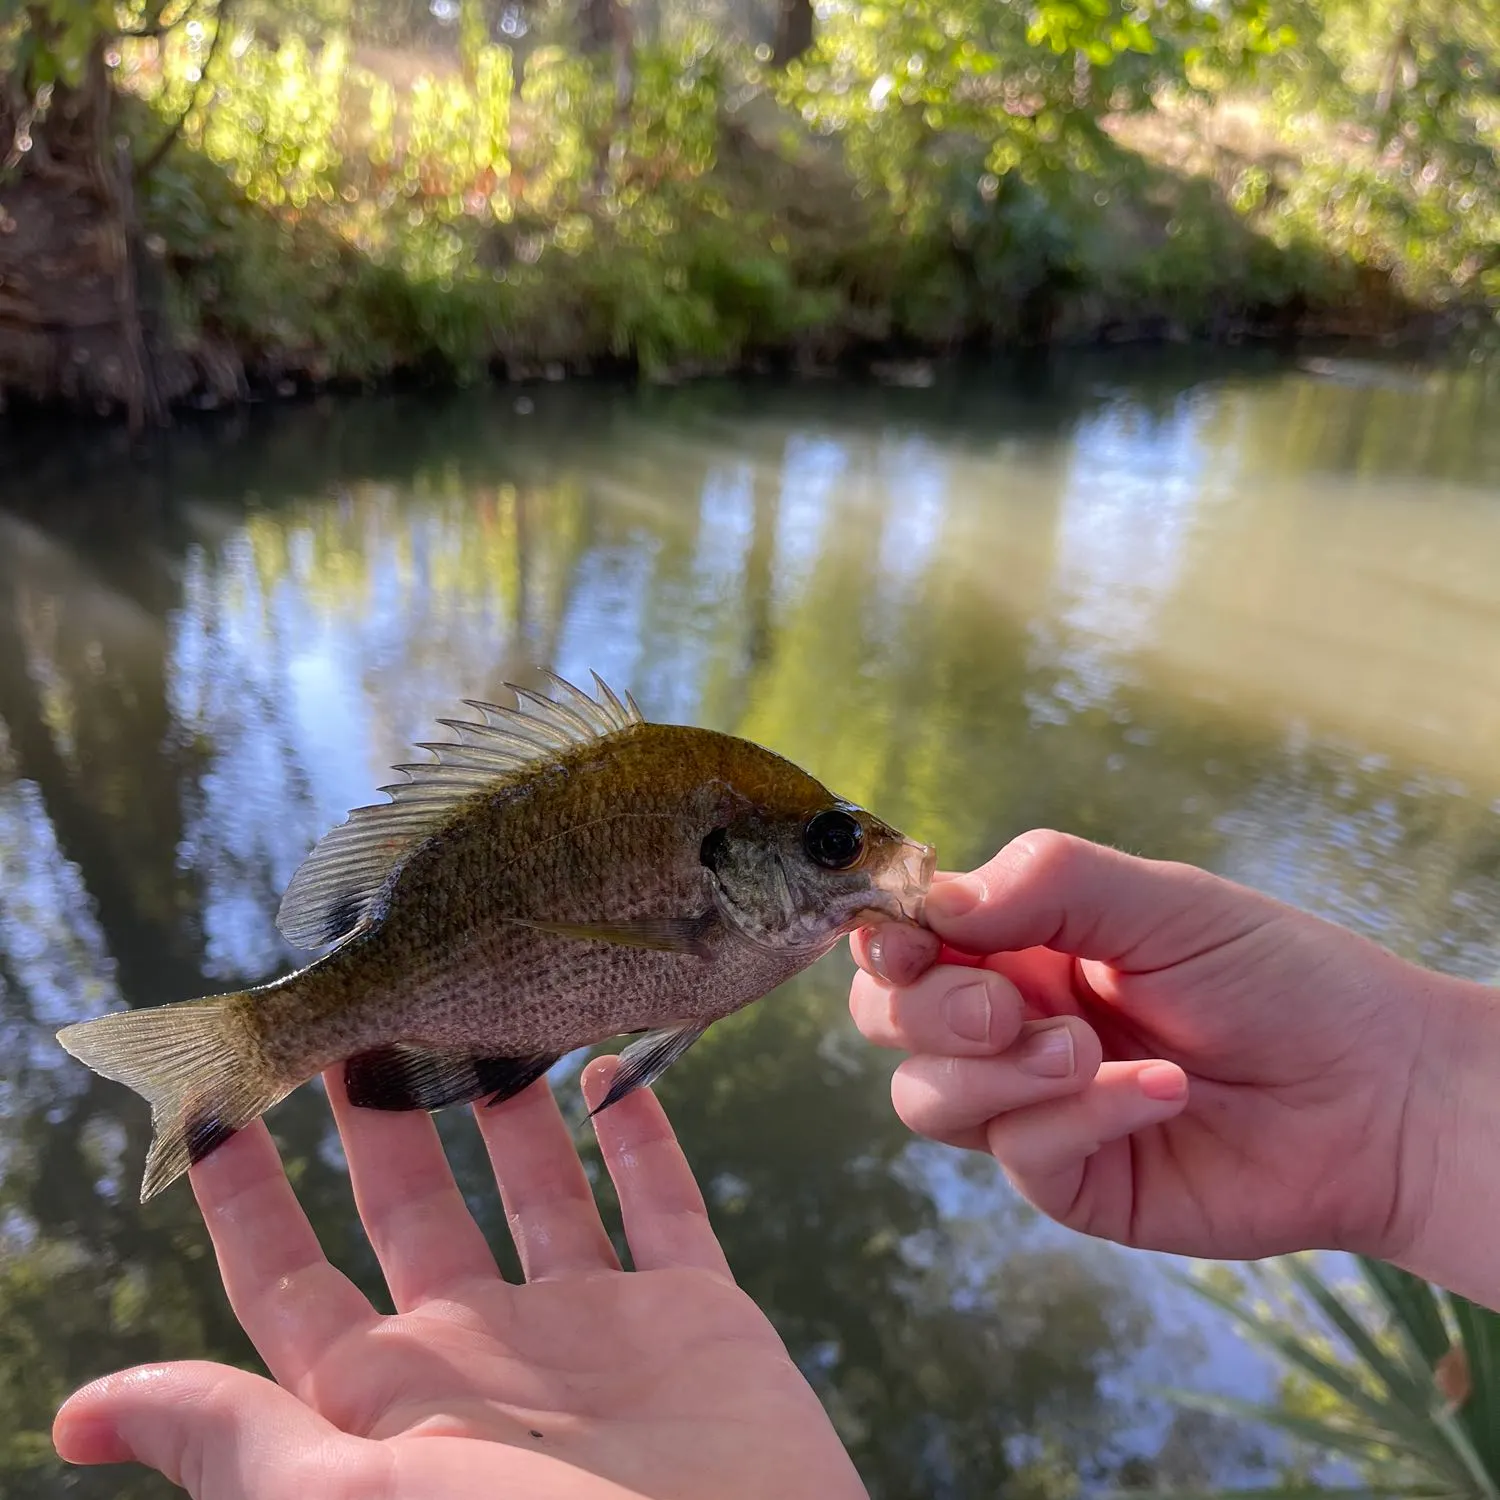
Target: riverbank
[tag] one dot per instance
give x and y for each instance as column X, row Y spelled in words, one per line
column 402, row 227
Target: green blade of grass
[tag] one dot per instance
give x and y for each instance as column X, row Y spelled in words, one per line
column 1365, row 1444
column 1479, row 1415
column 1414, row 1387
column 1413, row 1305
column 1413, row 1432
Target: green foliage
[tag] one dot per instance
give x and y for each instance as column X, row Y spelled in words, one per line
column 947, row 172
column 1390, row 1376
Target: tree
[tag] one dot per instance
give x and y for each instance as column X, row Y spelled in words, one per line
column 794, row 31
column 77, row 299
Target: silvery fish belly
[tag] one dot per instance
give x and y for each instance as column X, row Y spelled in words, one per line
column 559, row 873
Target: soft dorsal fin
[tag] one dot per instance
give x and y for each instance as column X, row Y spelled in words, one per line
column 332, row 891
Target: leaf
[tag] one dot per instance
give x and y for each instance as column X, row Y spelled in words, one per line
column 1364, row 1444
column 1414, row 1386
column 1414, row 1306
column 1417, row 1433
column 1479, row 1328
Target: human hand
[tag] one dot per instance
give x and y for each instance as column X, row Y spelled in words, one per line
column 586, row 1383
column 1160, row 1057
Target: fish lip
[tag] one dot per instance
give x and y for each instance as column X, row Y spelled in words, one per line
column 903, row 902
column 918, row 864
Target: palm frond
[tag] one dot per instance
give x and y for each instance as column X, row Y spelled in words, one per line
column 1415, row 1388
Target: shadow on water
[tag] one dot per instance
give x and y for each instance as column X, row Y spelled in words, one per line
column 1207, row 613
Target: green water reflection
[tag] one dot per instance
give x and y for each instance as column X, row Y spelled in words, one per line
column 1241, row 616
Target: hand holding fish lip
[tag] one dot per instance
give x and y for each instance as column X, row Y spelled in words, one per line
column 585, row 1383
column 561, row 873
column 1159, row 1056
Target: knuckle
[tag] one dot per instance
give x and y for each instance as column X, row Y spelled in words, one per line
column 1007, row 1011
column 1045, row 853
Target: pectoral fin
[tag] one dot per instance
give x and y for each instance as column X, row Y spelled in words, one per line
column 666, row 934
column 645, row 1060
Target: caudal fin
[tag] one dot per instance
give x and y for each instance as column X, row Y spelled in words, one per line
column 189, row 1062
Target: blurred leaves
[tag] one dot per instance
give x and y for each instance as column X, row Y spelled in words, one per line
column 363, row 190
column 1387, row 1373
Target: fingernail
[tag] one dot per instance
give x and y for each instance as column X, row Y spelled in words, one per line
column 967, row 1012
column 900, row 952
column 1047, row 1052
column 1162, row 1081
column 953, row 898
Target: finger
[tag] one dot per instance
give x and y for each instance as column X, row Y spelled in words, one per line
column 943, row 1096
column 215, row 1431
column 418, row 1224
column 951, row 1012
column 1046, row 1149
column 898, row 952
column 548, row 1202
column 666, row 1220
column 1047, row 889
column 291, row 1302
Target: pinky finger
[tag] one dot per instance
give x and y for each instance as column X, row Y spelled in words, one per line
column 1045, row 1148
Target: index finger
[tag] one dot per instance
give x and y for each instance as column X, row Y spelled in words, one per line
column 1052, row 890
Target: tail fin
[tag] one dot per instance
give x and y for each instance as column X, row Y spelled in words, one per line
column 189, row 1062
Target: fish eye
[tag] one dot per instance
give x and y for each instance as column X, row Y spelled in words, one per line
column 833, row 839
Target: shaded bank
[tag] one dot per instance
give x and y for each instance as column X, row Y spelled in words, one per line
column 190, row 220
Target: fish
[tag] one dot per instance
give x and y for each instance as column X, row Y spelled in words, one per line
column 560, row 873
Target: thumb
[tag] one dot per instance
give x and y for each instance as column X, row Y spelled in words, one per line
column 213, row 1430
column 1052, row 890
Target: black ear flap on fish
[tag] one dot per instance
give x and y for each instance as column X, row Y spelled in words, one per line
column 646, row 1059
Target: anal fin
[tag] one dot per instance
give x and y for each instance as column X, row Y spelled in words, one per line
column 644, row 1061
column 401, row 1077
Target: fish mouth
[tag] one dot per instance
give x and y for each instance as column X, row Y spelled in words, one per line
column 904, row 890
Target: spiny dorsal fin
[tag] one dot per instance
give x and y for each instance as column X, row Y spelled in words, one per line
column 333, row 890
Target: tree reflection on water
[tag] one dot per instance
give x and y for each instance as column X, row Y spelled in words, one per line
column 206, row 659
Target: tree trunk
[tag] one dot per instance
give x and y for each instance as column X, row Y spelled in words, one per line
column 71, row 326
column 605, row 30
column 794, row 31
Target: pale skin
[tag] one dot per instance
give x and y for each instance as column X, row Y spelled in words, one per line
column 1163, row 1058
column 586, row 1383
column 1154, row 1056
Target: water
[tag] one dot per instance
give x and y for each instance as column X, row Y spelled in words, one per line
column 1239, row 614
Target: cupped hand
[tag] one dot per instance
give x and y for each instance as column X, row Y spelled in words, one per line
column 585, row 1383
column 1160, row 1057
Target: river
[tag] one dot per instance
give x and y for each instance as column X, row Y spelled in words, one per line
column 1243, row 612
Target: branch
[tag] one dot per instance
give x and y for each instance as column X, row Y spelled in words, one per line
column 154, row 160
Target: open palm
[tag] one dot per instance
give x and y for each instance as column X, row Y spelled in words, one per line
column 587, row 1382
